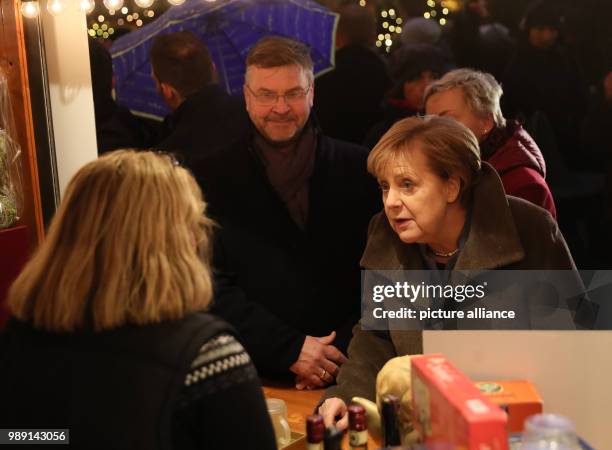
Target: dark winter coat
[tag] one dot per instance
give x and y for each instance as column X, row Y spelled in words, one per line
column 275, row 282
column 393, row 111
column 348, row 98
column 548, row 81
column 119, row 129
column 203, row 124
column 505, row 233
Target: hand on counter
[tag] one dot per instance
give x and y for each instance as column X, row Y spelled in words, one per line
column 334, row 409
column 318, row 362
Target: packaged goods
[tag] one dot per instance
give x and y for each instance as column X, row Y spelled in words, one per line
column 450, row 409
column 519, row 398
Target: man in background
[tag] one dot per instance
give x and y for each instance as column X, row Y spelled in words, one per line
column 349, row 97
column 204, row 117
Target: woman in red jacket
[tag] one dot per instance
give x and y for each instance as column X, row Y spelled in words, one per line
column 472, row 98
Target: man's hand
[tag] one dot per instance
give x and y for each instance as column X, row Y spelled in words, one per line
column 332, row 409
column 317, row 365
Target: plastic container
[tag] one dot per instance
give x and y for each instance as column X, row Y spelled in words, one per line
column 549, row 432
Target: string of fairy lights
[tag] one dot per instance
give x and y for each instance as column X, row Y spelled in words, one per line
column 390, row 23
column 97, row 11
column 437, row 12
column 106, row 17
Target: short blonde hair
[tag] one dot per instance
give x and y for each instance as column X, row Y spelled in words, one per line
column 450, row 148
column 121, row 249
column 481, row 91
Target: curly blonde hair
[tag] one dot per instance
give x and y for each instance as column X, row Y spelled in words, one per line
column 123, row 248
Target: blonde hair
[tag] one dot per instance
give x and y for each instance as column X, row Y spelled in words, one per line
column 121, row 249
column 450, row 148
column 481, row 91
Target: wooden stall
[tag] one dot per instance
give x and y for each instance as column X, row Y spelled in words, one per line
column 18, row 241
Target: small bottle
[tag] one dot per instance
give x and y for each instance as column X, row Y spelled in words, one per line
column 358, row 428
column 549, row 432
column 315, row 432
column 333, row 439
column 390, row 421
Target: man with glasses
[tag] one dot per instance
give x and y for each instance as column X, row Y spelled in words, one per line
column 293, row 207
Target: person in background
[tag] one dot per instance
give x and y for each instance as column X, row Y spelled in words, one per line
column 597, row 145
column 445, row 211
column 543, row 77
column 413, row 68
column 420, row 31
column 116, row 126
column 473, row 98
column 465, row 32
column 109, row 338
column 293, row 207
column 204, row 117
column 596, row 129
column 496, row 47
column 348, row 98
column 478, row 40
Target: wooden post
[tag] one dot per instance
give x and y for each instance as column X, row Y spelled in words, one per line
column 18, row 242
column 13, row 64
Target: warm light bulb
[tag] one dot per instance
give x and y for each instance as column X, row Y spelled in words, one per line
column 56, row 7
column 113, row 5
column 30, row 9
column 87, row 6
column 144, row 3
column 176, row 2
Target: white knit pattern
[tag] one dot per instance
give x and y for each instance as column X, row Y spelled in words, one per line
column 218, row 355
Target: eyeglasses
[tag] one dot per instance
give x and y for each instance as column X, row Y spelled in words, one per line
column 268, row 98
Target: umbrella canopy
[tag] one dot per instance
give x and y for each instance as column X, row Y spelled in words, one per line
column 229, row 28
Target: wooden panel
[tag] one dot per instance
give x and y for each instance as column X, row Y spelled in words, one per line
column 14, row 245
column 13, row 64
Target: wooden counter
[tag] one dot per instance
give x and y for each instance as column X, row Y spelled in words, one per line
column 301, row 404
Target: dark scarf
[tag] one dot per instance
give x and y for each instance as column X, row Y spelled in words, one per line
column 288, row 171
column 496, row 138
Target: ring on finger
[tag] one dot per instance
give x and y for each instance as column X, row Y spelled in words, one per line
column 322, row 376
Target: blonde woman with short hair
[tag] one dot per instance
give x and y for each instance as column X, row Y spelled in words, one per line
column 109, row 337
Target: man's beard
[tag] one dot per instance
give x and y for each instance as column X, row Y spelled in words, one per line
column 286, row 143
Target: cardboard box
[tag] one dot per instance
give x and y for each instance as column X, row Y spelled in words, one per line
column 519, row 398
column 450, row 409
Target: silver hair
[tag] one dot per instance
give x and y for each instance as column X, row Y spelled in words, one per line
column 481, row 91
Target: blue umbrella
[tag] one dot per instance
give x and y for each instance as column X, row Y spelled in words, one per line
column 229, row 28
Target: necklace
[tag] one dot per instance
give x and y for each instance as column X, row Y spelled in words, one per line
column 443, row 254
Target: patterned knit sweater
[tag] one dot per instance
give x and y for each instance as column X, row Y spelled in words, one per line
column 221, row 403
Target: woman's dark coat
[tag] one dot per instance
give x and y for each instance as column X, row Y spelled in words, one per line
column 505, row 233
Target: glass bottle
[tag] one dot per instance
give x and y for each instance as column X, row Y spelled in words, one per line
column 333, row 439
column 358, row 428
column 390, row 421
column 315, row 432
